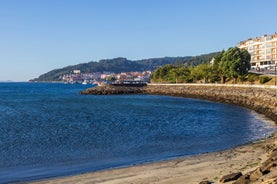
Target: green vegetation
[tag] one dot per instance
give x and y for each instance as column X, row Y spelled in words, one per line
column 171, row 73
column 118, row 65
column 232, row 64
column 264, row 79
column 235, row 63
column 252, row 77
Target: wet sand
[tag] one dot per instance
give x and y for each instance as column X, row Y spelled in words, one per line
column 193, row 169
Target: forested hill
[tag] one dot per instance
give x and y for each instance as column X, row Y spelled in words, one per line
column 118, row 65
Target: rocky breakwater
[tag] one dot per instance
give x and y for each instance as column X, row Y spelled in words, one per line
column 115, row 90
column 262, row 100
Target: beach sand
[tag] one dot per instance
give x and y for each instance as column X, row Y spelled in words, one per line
column 188, row 170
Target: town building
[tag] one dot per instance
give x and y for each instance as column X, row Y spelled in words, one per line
column 263, row 51
column 79, row 77
column 76, row 71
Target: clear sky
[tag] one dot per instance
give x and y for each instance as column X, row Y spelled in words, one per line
column 37, row 36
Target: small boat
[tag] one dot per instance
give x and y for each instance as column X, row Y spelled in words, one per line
column 84, row 82
column 95, row 83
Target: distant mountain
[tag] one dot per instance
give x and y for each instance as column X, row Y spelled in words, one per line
column 6, row 81
column 120, row 64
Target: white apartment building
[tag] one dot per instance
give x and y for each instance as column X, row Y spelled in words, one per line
column 263, row 51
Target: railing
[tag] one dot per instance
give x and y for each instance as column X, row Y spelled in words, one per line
column 216, row 85
column 264, row 71
column 130, row 83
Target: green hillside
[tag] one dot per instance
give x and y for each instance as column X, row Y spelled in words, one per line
column 118, row 65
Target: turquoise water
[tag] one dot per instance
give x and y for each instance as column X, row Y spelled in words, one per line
column 49, row 130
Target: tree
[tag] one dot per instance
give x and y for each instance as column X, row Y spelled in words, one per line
column 174, row 73
column 217, row 59
column 185, row 74
column 202, row 71
column 235, row 63
column 217, row 69
column 245, row 64
column 111, row 78
column 162, row 73
column 180, row 74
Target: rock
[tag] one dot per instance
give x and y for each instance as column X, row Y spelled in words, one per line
column 245, row 179
column 270, row 163
column 114, row 90
column 206, row 182
column 230, row 177
column 274, row 151
column 267, row 166
column 255, row 175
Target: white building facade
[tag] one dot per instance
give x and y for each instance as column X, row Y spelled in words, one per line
column 263, row 51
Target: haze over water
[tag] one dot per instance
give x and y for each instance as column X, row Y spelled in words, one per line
column 50, row 130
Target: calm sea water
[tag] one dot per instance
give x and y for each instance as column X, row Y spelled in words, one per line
column 49, row 130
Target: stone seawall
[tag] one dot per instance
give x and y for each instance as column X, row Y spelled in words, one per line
column 262, row 100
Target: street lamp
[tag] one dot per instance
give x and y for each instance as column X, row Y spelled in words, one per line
column 275, row 72
column 275, row 65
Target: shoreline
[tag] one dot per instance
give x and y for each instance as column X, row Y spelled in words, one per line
column 189, row 169
column 194, row 169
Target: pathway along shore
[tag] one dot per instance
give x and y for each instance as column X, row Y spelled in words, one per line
column 253, row 163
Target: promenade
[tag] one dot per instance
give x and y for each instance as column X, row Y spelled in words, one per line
column 215, row 85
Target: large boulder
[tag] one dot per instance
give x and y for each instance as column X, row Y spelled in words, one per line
column 206, row 182
column 230, row 177
column 245, row 179
column 255, row 175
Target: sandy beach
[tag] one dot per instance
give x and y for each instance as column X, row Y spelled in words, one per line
column 193, row 169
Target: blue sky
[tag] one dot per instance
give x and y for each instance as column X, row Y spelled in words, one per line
column 37, row 36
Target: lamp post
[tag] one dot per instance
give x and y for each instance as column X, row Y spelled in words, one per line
column 242, row 71
column 275, row 65
column 275, row 72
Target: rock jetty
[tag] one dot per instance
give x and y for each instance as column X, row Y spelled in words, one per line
column 115, row 90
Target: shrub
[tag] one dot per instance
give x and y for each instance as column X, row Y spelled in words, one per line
column 264, row 79
column 252, row 77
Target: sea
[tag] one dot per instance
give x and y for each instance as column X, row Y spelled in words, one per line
column 50, row 130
